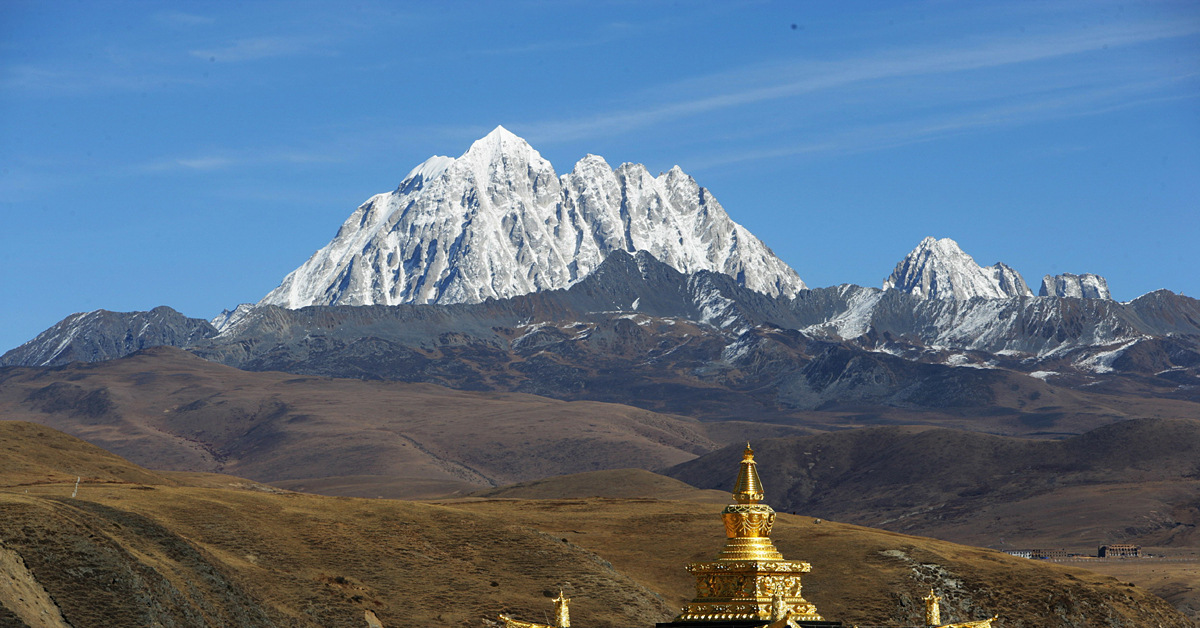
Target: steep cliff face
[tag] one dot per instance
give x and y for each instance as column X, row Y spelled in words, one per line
column 498, row 222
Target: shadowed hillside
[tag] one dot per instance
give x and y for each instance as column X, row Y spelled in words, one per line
column 980, row 489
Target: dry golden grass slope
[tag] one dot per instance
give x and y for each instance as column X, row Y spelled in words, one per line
column 135, row 549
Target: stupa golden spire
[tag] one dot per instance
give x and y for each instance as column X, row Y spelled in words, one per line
column 749, row 580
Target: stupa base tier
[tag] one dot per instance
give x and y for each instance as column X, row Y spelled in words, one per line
column 750, row 567
column 745, row 624
column 747, row 591
column 748, row 610
column 749, row 548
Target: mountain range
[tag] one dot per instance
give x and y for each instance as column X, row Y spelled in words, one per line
column 491, row 272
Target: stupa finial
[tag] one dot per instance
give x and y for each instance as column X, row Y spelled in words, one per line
column 748, row 488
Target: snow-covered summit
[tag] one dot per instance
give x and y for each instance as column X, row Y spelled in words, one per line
column 939, row 269
column 498, row 222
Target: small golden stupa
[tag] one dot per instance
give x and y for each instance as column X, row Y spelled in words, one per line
column 749, row 580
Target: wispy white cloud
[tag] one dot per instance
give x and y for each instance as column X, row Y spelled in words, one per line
column 261, row 48
column 769, row 82
column 1047, row 106
column 242, row 158
column 604, row 34
column 205, row 163
column 41, row 80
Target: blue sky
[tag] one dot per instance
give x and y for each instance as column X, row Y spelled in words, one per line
column 192, row 154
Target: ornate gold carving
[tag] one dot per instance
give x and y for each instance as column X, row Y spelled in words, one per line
column 748, row 520
column 779, row 607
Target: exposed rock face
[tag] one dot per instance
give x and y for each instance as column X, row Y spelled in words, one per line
column 939, row 269
column 498, row 222
column 1085, row 286
column 103, row 335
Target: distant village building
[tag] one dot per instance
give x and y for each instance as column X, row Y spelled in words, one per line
column 1041, row 554
column 1120, row 550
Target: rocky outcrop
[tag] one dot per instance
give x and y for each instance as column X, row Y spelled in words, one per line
column 1085, row 286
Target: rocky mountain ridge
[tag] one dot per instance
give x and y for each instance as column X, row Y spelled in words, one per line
column 498, row 222
column 638, row 332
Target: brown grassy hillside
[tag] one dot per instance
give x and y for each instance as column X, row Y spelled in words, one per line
column 616, row 483
column 152, row 551
column 167, row 409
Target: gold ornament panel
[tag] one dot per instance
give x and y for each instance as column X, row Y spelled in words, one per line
column 748, row 520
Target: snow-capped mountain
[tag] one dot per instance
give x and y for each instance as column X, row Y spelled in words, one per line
column 939, row 269
column 1085, row 286
column 103, row 335
column 499, row 222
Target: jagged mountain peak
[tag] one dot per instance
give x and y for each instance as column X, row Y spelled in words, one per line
column 940, row 269
column 498, row 222
column 1085, row 286
column 945, row 247
column 499, row 143
column 593, row 160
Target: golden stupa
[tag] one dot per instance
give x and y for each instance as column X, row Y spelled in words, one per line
column 749, row 584
column 749, row 580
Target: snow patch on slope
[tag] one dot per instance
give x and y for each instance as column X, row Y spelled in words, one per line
column 1102, row 362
